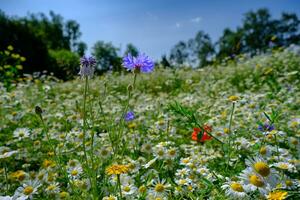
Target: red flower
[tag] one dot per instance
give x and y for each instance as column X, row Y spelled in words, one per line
column 205, row 135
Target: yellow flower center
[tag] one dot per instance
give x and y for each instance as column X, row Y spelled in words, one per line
column 148, row 147
column 21, row 134
column 104, row 152
column 142, row 189
column 51, row 187
column 294, row 141
column 172, row 152
column 160, row 152
column 262, row 168
column 255, row 180
column 237, row 187
column 182, row 181
column 126, row 188
column 63, row 195
column 233, row 98
column 159, row 187
column 283, row 166
column 111, row 198
column 294, row 124
column 28, row 190
column 288, row 183
column 81, row 135
column 277, row 195
column 226, row 130
column 74, row 172
column 263, row 151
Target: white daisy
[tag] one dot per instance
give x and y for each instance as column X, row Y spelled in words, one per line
column 254, row 181
column 53, row 188
column 159, row 189
column 234, row 189
column 21, row 133
column 75, row 172
column 27, row 190
column 285, row 166
column 128, row 190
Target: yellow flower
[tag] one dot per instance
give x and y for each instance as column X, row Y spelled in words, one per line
column 19, row 67
column 19, row 175
column 28, row 190
column 48, row 163
column 63, row 195
column 277, row 195
column 262, row 168
column 237, row 187
column 10, row 48
column 233, row 98
column 117, row 169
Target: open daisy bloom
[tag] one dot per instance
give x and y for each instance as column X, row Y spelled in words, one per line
column 196, row 135
column 234, row 189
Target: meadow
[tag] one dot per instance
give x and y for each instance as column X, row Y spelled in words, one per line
column 229, row 131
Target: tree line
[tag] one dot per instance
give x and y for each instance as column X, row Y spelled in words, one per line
column 53, row 44
column 258, row 33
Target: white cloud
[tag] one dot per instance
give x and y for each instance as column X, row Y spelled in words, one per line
column 196, row 19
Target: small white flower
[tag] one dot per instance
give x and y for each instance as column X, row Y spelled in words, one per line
column 21, row 133
column 234, row 189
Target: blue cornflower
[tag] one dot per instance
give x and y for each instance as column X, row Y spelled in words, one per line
column 141, row 62
column 87, row 65
column 129, row 116
column 266, row 127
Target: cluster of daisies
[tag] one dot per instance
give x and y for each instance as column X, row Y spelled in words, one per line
column 218, row 143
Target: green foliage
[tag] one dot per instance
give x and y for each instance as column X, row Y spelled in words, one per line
column 258, row 33
column 130, row 48
column 167, row 104
column 10, row 66
column 65, row 64
column 36, row 35
column 107, row 56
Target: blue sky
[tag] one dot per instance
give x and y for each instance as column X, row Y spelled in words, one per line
column 154, row 26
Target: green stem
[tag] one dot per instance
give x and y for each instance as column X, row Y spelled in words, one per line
column 119, row 186
column 57, row 158
column 122, row 121
column 93, row 182
column 84, row 119
column 6, row 178
column 230, row 133
column 277, row 148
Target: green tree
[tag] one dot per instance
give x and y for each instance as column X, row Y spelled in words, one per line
column 179, row 54
column 201, row 49
column 107, row 56
column 230, row 43
column 130, row 48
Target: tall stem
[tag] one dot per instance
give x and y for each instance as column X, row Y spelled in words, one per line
column 129, row 94
column 92, row 181
column 84, row 119
column 277, row 148
column 230, row 133
column 119, row 186
column 6, row 179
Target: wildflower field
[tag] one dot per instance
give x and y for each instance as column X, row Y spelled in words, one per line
column 221, row 132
